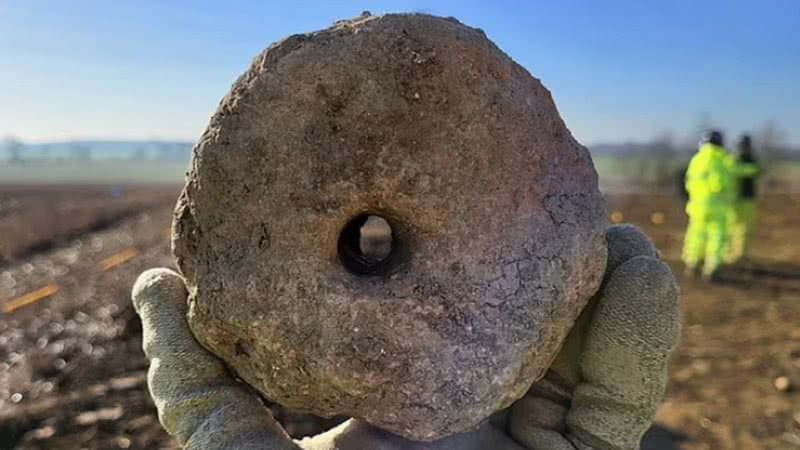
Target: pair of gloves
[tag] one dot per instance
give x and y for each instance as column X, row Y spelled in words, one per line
column 601, row 392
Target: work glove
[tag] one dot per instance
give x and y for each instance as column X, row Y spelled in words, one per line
column 601, row 392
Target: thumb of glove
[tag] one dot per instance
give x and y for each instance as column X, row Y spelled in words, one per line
column 198, row 402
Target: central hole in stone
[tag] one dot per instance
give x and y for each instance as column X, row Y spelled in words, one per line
column 366, row 245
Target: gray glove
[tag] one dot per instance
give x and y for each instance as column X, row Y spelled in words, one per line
column 603, row 389
column 601, row 392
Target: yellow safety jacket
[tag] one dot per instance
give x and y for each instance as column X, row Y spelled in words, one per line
column 711, row 181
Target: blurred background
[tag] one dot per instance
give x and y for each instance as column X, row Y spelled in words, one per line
column 100, row 103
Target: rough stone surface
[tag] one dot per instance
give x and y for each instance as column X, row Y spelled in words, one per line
column 497, row 226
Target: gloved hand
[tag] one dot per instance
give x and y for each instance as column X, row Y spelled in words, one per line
column 601, row 392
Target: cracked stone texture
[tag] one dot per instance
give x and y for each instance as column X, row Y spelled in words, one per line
column 497, row 220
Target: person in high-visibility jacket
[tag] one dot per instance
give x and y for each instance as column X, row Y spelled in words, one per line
column 711, row 184
column 743, row 215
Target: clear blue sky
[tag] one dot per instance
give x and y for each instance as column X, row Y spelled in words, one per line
column 619, row 70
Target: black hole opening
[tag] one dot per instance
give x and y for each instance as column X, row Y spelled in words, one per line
column 368, row 246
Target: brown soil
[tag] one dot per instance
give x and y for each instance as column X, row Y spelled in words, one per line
column 37, row 218
column 740, row 335
column 72, row 372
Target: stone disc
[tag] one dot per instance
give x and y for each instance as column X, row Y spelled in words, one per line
column 497, row 226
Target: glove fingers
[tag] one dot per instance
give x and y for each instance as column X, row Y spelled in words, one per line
column 532, row 411
column 198, row 402
column 159, row 297
column 535, row 438
column 626, row 242
column 538, row 423
column 634, row 328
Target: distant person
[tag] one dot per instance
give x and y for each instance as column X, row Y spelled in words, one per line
column 743, row 215
column 711, row 186
column 680, row 179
